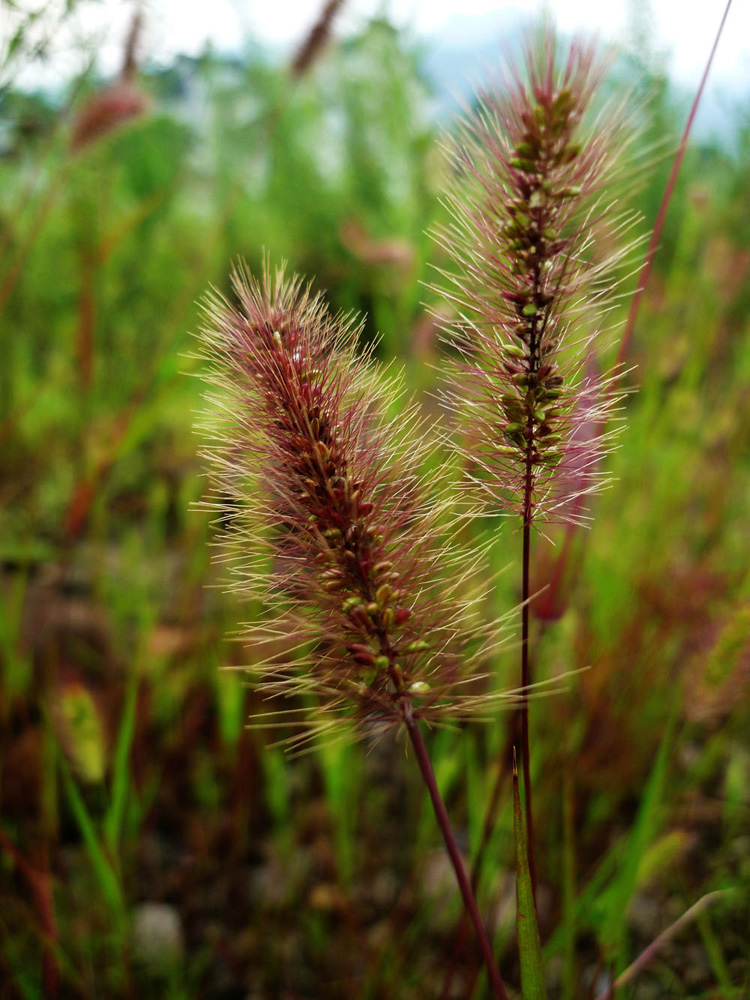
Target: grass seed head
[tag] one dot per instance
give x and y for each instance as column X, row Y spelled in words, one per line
column 534, row 219
column 327, row 520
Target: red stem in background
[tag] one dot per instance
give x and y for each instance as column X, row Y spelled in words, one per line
column 667, row 197
column 462, row 927
column 85, row 340
column 490, row 818
column 425, row 766
column 40, row 883
column 666, row 935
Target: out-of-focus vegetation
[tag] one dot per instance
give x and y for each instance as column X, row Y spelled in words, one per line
column 149, row 843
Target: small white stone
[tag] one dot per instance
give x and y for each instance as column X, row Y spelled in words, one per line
column 157, row 936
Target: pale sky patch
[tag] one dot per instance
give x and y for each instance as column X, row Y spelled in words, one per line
column 682, row 30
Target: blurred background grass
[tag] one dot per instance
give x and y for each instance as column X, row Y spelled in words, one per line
column 149, row 843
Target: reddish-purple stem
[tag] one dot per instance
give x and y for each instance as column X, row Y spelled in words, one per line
column 667, row 197
column 488, row 826
column 40, row 883
column 666, row 935
column 425, row 766
column 627, row 336
column 526, row 672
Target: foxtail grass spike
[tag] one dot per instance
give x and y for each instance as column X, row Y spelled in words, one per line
column 119, row 103
column 537, row 239
column 327, row 524
column 316, row 40
column 331, row 526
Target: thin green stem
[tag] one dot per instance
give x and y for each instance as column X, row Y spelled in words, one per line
column 425, row 766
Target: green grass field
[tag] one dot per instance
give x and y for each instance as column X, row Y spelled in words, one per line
column 150, row 844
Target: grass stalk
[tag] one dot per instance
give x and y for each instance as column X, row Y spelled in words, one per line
column 39, row 880
column 653, row 243
column 527, row 930
column 526, row 680
column 569, row 887
column 464, row 883
column 695, row 912
column 462, row 928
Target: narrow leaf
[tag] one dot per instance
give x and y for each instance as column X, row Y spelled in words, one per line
column 527, row 931
column 569, row 888
column 645, row 829
column 113, row 820
column 105, row 874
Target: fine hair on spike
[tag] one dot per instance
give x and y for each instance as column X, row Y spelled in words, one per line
column 328, row 523
column 537, row 237
column 537, row 240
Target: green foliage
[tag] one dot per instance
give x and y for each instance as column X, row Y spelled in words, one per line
column 309, row 877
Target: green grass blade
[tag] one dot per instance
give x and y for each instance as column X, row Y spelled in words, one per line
column 714, row 953
column 105, row 874
column 569, row 889
column 587, row 897
column 645, row 829
column 339, row 767
column 113, row 820
column 529, row 947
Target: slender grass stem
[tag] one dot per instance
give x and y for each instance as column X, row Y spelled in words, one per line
column 526, row 672
column 488, row 826
column 569, row 887
column 653, row 244
column 39, row 881
column 425, row 766
column 666, row 935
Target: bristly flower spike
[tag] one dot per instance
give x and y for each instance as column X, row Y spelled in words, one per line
column 537, row 236
column 328, row 522
column 328, row 486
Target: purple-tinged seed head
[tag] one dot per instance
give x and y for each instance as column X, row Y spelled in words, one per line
column 330, row 526
column 534, row 210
